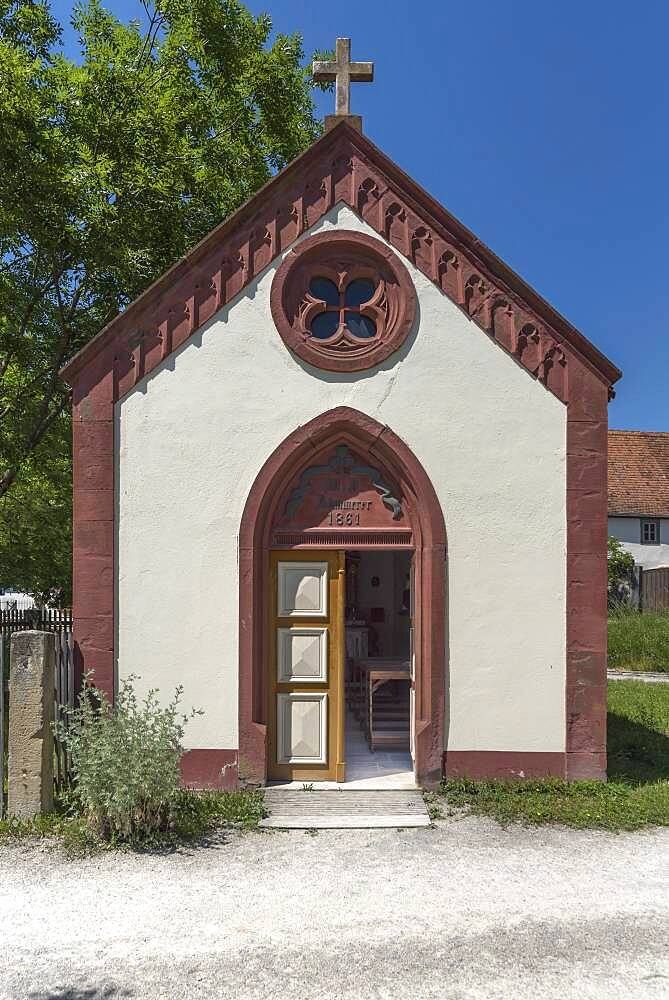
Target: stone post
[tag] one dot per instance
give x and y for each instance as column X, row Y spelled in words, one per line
column 31, row 712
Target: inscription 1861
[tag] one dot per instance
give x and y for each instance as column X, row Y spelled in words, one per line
column 340, row 491
column 343, row 513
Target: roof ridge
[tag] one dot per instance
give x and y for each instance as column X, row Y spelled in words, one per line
column 613, row 430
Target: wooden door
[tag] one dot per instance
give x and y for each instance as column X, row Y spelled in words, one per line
column 306, row 665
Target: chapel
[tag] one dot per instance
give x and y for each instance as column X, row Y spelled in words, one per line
column 341, row 474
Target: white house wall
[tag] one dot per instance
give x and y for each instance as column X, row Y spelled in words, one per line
column 628, row 531
column 193, row 435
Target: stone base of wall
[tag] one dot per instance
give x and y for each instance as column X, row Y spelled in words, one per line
column 210, row 769
column 219, row 769
column 523, row 764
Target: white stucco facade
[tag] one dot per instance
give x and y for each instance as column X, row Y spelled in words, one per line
column 192, row 436
column 628, row 531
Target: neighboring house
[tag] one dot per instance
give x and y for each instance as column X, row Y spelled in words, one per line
column 15, row 600
column 639, row 494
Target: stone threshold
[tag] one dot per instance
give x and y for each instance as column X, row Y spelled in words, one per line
column 369, row 783
column 343, row 822
column 336, row 809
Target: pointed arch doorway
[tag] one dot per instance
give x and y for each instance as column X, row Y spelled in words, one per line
column 290, row 512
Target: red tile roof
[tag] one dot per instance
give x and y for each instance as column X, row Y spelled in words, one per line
column 639, row 473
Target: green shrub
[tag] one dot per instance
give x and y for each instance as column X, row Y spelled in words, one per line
column 192, row 815
column 620, row 573
column 125, row 761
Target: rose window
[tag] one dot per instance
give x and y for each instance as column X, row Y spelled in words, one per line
column 342, row 301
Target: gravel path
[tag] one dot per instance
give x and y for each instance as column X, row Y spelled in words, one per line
column 462, row 911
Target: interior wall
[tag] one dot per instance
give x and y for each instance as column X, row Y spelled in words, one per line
column 192, row 436
column 390, row 568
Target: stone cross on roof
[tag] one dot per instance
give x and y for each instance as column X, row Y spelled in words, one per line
column 343, row 72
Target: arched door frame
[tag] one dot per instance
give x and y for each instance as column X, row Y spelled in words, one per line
column 371, row 438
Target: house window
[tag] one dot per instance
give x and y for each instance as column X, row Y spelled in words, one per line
column 650, row 532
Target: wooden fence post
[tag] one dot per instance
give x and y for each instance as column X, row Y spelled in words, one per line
column 2, row 727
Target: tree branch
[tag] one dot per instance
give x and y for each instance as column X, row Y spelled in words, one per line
column 45, row 415
column 36, row 436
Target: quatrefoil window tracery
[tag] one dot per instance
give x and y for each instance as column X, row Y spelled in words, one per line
column 344, row 308
column 342, row 301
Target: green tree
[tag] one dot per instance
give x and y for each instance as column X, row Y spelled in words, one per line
column 112, row 167
column 36, row 521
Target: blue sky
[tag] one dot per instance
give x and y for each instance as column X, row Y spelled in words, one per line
column 543, row 127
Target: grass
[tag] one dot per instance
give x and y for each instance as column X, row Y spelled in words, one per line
column 199, row 813
column 193, row 816
column 636, row 795
column 638, row 641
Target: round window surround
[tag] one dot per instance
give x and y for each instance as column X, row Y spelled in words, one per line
column 342, row 301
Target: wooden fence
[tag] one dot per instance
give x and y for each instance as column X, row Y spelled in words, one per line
column 65, row 697
column 43, row 619
column 655, row 589
column 4, row 718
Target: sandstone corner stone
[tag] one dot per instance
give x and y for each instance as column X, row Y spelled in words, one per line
column 31, row 714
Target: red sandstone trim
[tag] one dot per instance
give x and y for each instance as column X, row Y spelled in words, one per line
column 369, row 439
column 93, row 525
column 209, row 769
column 507, row 764
column 342, row 166
column 359, row 254
column 586, row 640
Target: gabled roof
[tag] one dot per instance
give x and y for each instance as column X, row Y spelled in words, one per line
column 341, row 166
column 639, row 473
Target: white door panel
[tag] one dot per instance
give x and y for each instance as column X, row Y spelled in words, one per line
column 302, row 655
column 302, row 728
column 302, row 590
